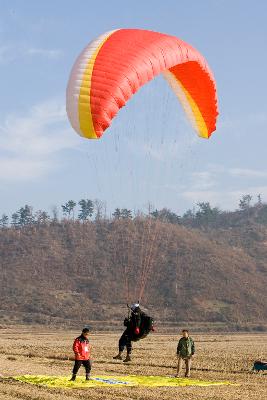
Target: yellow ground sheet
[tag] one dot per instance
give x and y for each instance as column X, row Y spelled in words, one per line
column 118, row 381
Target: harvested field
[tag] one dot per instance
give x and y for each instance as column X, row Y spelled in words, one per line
column 39, row 351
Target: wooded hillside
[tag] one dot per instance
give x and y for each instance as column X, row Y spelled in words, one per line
column 67, row 272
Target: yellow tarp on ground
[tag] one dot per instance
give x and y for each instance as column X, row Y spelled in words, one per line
column 118, row 381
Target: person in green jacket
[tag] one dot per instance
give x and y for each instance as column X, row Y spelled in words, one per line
column 185, row 352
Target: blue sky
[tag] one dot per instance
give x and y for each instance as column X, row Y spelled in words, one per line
column 150, row 153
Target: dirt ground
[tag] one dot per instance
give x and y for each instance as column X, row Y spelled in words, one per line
column 40, row 351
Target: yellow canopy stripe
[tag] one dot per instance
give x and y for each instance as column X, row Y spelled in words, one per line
column 84, row 104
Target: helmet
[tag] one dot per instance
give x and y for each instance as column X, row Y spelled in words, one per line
column 134, row 306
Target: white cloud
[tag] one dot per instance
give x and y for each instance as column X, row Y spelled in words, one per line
column 216, row 170
column 227, row 199
column 21, row 169
column 197, row 196
column 247, row 173
column 171, row 148
column 12, row 52
column 29, row 144
column 216, row 184
column 203, row 180
column 47, row 53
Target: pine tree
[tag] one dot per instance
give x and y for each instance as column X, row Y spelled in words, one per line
column 126, row 214
column 68, row 208
column 15, row 220
column 245, row 202
column 86, row 209
column 4, row 221
column 25, row 215
column 41, row 217
column 117, row 214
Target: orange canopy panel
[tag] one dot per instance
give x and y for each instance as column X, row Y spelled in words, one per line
column 116, row 64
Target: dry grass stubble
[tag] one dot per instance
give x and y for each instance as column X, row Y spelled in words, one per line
column 47, row 352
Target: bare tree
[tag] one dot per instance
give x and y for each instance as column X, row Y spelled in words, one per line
column 100, row 209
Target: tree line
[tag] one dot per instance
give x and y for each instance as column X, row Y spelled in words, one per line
column 83, row 210
column 203, row 215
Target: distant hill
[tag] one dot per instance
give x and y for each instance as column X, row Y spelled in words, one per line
column 72, row 272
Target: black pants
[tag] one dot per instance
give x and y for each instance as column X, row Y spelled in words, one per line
column 126, row 341
column 85, row 363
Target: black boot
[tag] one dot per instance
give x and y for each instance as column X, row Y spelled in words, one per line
column 127, row 359
column 87, row 378
column 73, row 378
column 118, row 356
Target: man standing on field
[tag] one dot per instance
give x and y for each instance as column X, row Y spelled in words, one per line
column 185, row 352
column 82, row 351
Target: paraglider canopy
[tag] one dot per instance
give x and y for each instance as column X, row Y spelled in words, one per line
column 116, row 64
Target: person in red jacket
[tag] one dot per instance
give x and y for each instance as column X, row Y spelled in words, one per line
column 82, row 351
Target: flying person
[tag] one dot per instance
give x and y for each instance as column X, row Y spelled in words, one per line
column 82, row 350
column 138, row 325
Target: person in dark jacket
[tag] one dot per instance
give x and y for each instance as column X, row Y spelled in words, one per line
column 185, row 352
column 131, row 333
column 82, row 352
